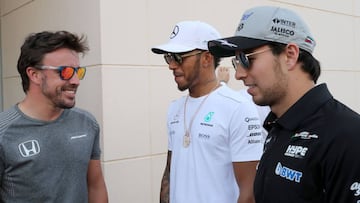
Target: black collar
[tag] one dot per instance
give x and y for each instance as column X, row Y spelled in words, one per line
column 306, row 106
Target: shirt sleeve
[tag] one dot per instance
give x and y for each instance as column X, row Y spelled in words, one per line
column 96, row 151
column 245, row 134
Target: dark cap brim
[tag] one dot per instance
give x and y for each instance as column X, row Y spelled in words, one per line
column 226, row 47
column 172, row 48
column 158, row 51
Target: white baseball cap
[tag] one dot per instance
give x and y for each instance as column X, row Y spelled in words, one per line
column 187, row 36
column 261, row 25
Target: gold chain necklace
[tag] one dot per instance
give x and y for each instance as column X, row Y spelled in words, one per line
column 186, row 140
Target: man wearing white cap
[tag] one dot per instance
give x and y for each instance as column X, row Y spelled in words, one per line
column 309, row 151
column 214, row 133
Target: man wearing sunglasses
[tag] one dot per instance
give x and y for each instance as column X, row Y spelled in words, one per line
column 50, row 149
column 214, row 134
column 309, row 151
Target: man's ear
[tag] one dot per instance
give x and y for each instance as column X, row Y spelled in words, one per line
column 292, row 52
column 207, row 59
column 34, row 74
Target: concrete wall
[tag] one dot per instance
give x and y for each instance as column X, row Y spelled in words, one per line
column 128, row 88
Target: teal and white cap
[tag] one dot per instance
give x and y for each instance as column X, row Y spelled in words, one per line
column 261, row 25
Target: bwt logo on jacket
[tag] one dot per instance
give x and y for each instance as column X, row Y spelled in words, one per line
column 29, row 148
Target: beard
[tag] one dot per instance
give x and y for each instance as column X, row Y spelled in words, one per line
column 57, row 95
column 272, row 95
column 192, row 78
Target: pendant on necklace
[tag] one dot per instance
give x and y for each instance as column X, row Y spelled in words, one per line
column 186, row 142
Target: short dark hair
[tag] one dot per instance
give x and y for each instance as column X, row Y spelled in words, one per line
column 309, row 63
column 216, row 61
column 36, row 45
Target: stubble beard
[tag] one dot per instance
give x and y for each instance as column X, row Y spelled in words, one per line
column 274, row 94
column 194, row 76
column 55, row 96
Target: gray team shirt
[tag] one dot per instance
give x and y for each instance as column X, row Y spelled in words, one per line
column 46, row 161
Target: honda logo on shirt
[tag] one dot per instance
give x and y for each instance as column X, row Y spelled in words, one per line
column 29, row 148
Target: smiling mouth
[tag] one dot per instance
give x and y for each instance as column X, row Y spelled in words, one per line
column 69, row 92
column 250, row 85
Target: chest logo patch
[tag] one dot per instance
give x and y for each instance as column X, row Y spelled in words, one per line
column 356, row 187
column 288, row 173
column 208, row 117
column 29, row 148
column 296, row 151
column 305, row 136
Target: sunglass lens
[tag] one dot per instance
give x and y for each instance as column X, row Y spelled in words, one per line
column 244, row 60
column 177, row 58
column 81, row 72
column 67, row 72
column 167, row 58
column 234, row 63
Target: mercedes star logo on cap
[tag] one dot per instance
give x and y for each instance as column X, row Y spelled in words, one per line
column 174, row 32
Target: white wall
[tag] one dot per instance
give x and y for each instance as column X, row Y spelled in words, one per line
column 128, row 88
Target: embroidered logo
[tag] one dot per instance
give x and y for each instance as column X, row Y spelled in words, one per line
column 296, row 151
column 246, row 16
column 309, row 40
column 305, row 136
column 174, row 32
column 29, row 148
column 208, row 117
column 288, row 173
column 248, row 119
column 355, row 187
column 78, row 136
column 175, row 119
column 226, row 43
column 254, row 127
